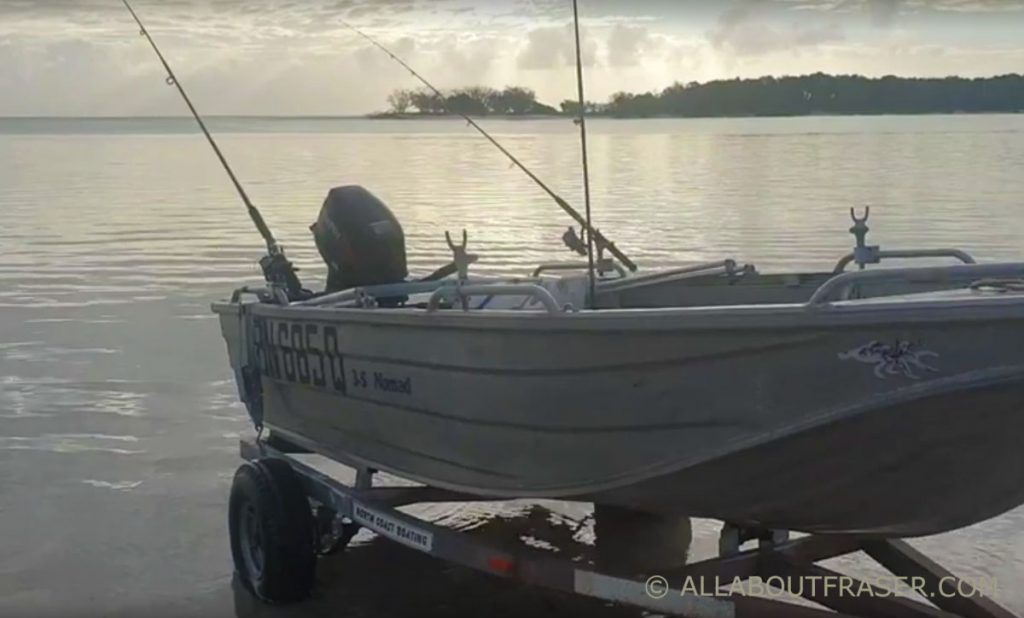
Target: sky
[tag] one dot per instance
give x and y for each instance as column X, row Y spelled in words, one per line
column 296, row 57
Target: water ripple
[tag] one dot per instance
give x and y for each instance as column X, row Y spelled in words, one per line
column 69, row 443
column 116, row 485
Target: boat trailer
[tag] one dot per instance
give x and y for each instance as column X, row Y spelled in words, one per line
column 279, row 524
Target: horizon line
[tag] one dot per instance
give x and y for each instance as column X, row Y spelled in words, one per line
column 188, row 116
column 363, row 115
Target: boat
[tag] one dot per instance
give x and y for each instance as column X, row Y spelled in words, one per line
column 877, row 402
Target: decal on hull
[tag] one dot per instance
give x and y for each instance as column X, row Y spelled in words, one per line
column 901, row 358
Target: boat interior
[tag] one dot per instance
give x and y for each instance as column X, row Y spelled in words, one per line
column 558, row 287
column 363, row 245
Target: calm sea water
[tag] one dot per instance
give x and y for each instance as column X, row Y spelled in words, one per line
column 118, row 419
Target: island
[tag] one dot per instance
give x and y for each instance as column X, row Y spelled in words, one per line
column 804, row 95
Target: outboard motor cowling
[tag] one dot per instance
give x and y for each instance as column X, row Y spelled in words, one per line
column 360, row 240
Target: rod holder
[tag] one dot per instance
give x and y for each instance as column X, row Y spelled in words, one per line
column 460, row 258
column 463, row 292
column 863, row 254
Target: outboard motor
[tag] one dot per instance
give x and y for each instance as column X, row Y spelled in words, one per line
column 360, row 240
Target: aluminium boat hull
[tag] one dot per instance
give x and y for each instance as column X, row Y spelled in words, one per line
column 932, row 463
column 892, row 417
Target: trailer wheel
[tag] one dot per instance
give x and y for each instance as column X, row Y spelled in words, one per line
column 273, row 539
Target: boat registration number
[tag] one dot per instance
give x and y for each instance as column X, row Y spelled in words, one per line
column 299, row 352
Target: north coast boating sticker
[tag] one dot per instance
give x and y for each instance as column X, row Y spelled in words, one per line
column 392, row 528
column 903, row 358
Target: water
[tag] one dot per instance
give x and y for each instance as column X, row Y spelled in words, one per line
column 118, row 413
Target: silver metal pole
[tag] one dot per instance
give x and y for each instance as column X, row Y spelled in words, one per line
column 586, row 168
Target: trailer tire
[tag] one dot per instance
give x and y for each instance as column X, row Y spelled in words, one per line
column 273, row 539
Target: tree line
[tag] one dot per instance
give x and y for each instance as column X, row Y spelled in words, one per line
column 765, row 96
column 472, row 101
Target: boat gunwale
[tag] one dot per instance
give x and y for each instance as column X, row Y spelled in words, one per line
column 894, row 311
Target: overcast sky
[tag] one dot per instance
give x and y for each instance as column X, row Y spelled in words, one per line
column 83, row 57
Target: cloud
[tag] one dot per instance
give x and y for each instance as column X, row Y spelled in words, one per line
column 748, row 29
column 554, row 47
column 882, row 12
column 467, row 60
column 83, row 57
column 885, row 12
column 628, row 44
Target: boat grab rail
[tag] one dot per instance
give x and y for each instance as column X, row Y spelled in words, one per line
column 576, row 266
column 384, row 290
column 877, row 256
column 722, row 267
column 264, row 294
column 844, row 280
column 1000, row 285
column 462, row 292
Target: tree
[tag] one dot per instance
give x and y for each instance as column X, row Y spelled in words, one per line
column 514, row 100
column 480, row 94
column 571, row 107
column 400, row 100
column 426, row 102
column 465, row 103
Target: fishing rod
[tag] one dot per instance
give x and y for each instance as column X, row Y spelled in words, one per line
column 276, row 267
column 593, row 236
column 583, row 145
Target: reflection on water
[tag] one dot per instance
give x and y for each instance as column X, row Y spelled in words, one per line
column 118, row 411
column 69, row 443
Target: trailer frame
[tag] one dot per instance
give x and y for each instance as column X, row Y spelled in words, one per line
column 775, row 556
